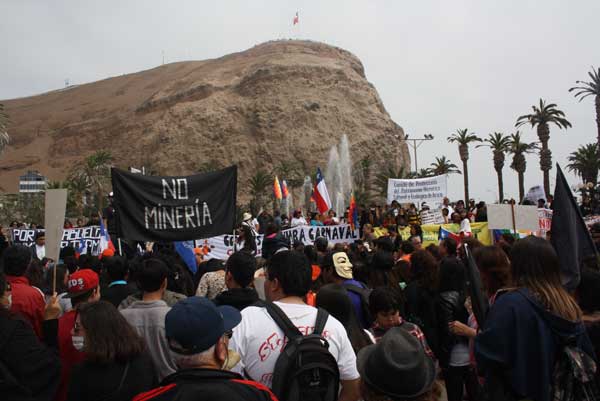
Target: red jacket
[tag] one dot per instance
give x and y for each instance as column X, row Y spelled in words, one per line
column 27, row 301
column 69, row 356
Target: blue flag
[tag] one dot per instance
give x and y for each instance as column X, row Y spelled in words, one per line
column 185, row 249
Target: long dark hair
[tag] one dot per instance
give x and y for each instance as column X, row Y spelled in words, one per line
column 335, row 300
column 535, row 266
column 424, row 270
column 452, row 276
column 108, row 336
column 494, row 266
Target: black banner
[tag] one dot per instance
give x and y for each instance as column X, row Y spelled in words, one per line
column 175, row 208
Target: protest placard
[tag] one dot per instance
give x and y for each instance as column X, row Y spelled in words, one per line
column 175, row 208
column 502, row 217
column 54, row 219
column 431, row 190
column 70, row 237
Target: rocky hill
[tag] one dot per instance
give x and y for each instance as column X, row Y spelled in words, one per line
column 281, row 100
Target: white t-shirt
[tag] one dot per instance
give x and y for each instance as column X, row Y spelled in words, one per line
column 300, row 221
column 259, row 341
column 40, row 251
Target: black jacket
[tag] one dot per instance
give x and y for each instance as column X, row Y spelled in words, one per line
column 273, row 243
column 100, row 381
column 29, row 370
column 117, row 293
column 450, row 307
column 420, row 310
column 207, row 385
column 239, row 298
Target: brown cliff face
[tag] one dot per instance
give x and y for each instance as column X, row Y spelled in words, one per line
column 282, row 100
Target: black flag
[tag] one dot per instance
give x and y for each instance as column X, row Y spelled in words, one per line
column 175, row 208
column 570, row 237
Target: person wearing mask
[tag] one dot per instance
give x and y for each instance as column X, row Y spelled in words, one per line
column 287, row 280
column 117, row 270
column 336, row 268
column 29, row 370
column 116, row 365
column 544, row 316
column 82, row 286
column 239, row 275
column 27, row 301
column 199, row 336
column 147, row 316
column 335, row 300
column 397, row 368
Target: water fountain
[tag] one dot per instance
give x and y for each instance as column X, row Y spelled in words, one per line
column 338, row 176
column 306, row 192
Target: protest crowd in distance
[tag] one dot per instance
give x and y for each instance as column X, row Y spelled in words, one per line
column 170, row 294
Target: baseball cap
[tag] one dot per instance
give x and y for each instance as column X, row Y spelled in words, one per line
column 81, row 282
column 195, row 324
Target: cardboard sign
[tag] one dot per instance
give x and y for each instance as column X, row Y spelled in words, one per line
column 501, row 217
column 54, row 219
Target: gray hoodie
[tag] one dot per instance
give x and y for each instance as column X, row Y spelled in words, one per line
column 148, row 319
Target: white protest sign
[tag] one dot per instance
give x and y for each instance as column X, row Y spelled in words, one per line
column 536, row 193
column 431, row 190
column 432, row 217
column 220, row 247
column 54, row 220
column 500, row 217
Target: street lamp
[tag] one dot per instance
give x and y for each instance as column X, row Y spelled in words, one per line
column 416, row 142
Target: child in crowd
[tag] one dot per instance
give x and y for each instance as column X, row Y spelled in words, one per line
column 385, row 309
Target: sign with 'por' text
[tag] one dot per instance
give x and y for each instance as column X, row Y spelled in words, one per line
column 431, row 190
column 175, row 208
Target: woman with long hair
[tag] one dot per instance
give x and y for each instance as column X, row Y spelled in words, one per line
column 117, row 366
column 529, row 325
column 335, row 300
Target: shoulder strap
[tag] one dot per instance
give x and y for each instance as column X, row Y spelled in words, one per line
column 281, row 319
column 322, row 316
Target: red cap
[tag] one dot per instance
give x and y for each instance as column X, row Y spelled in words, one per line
column 82, row 281
column 107, row 253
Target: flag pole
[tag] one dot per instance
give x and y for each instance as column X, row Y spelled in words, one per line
column 119, row 242
column 54, row 278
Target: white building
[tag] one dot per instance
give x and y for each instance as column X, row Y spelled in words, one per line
column 32, row 182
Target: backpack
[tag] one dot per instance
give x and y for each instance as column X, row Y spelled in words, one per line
column 364, row 294
column 575, row 375
column 305, row 370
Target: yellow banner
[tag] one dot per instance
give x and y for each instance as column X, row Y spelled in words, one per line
column 431, row 232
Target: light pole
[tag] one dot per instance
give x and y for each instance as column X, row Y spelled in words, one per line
column 416, row 142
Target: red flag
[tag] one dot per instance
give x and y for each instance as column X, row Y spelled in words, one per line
column 321, row 194
column 296, row 19
column 352, row 212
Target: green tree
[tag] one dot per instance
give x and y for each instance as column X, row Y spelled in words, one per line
column 585, row 162
column 94, row 173
column 362, row 180
column 519, row 149
column 443, row 166
column 208, row 166
column 542, row 116
column 499, row 144
column 463, row 138
column 259, row 184
column 591, row 88
column 384, row 174
column 4, row 137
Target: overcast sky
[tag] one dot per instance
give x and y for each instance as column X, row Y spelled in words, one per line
column 437, row 65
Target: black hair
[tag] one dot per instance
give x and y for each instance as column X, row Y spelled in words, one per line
column 116, row 268
column 407, row 247
column 311, row 254
column 589, row 301
column 321, row 244
column 38, row 235
column 384, row 244
column 82, row 298
column 452, row 276
column 3, row 283
column 91, row 262
column 450, row 245
column 16, row 259
column 242, row 266
column 153, row 273
column 61, row 272
column 335, row 299
column 383, row 299
column 292, row 270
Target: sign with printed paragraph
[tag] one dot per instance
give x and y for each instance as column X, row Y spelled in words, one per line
column 431, row 190
column 175, row 208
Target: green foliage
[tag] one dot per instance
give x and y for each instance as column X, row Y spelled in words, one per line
column 463, row 137
column 93, row 175
column 544, row 114
column 585, row 162
column 591, row 88
column 443, row 166
column 259, row 185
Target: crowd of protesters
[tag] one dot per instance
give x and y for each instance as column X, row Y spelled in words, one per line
column 398, row 319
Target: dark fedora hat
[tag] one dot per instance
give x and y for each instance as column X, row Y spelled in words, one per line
column 397, row 366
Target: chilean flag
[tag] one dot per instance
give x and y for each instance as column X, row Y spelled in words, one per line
column 320, row 194
column 105, row 241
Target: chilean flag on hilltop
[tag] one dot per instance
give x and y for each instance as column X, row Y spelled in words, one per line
column 296, row 19
column 105, row 241
column 320, row 194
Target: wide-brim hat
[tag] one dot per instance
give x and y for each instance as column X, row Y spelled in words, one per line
column 247, row 216
column 397, row 366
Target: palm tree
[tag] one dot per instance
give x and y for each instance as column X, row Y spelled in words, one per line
column 519, row 149
column 463, row 138
column 591, row 88
column 542, row 116
column 362, row 180
column 259, row 183
column 422, row 173
column 443, row 166
column 499, row 143
column 384, row 174
column 94, row 170
column 4, row 138
column 585, row 162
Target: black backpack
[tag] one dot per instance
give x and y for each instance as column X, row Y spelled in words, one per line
column 305, row 370
column 364, row 294
column 575, row 375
